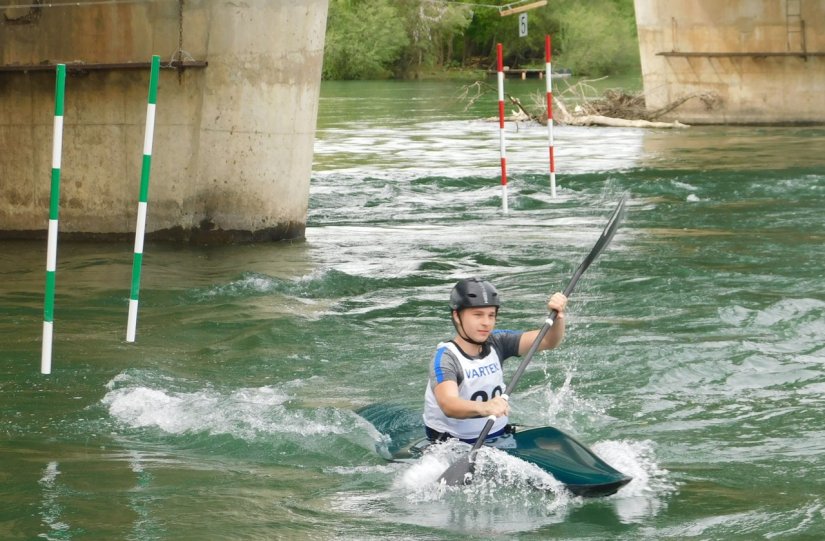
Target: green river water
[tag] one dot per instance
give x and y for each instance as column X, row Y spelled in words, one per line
column 694, row 356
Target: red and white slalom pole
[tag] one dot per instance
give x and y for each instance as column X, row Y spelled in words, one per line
column 549, row 78
column 500, row 65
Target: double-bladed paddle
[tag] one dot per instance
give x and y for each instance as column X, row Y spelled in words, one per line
column 461, row 472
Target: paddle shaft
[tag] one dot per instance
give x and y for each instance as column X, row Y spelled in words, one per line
column 603, row 241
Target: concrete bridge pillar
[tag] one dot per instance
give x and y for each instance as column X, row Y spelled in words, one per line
column 235, row 122
column 740, row 61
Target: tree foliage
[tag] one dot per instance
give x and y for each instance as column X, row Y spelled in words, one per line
column 369, row 39
column 364, row 39
column 598, row 37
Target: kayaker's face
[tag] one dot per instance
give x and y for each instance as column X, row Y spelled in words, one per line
column 478, row 323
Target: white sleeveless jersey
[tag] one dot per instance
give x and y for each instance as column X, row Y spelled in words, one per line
column 477, row 378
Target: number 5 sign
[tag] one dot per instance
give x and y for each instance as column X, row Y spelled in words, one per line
column 522, row 25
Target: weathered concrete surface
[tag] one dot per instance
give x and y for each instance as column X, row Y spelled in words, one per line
column 764, row 61
column 233, row 141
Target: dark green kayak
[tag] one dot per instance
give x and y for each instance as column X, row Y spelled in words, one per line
column 558, row 453
column 570, row 462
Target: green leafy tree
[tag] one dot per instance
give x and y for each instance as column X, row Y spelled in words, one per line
column 598, row 37
column 368, row 39
column 486, row 29
column 433, row 29
column 364, row 39
column 522, row 51
column 592, row 37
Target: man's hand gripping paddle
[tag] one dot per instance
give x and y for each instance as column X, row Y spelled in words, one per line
column 461, row 472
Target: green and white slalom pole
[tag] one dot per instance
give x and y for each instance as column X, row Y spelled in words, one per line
column 140, row 229
column 54, row 205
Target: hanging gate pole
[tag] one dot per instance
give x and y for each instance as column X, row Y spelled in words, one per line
column 54, row 205
column 140, row 229
column 502, row 151
column 549, row 77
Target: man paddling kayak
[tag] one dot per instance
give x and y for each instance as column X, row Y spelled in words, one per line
column 466, row 381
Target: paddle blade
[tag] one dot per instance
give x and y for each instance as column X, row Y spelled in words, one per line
column 459, row 473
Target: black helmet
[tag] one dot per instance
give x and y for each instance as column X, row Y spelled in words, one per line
column 473, row 293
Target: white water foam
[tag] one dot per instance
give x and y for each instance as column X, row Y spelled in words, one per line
column 247, row 413
column 496, row 473
column 247, row 284
column 507, row 495
column 50, row 508
column 637, row 460
column 382, row 469
column 50, row 475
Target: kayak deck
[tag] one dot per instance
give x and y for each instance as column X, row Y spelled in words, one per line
column 554, row 451
column 580, row 470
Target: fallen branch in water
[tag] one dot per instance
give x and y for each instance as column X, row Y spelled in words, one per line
column 614, row 108
column 600, row 120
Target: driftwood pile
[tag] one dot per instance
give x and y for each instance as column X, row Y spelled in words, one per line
column 613, row 108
